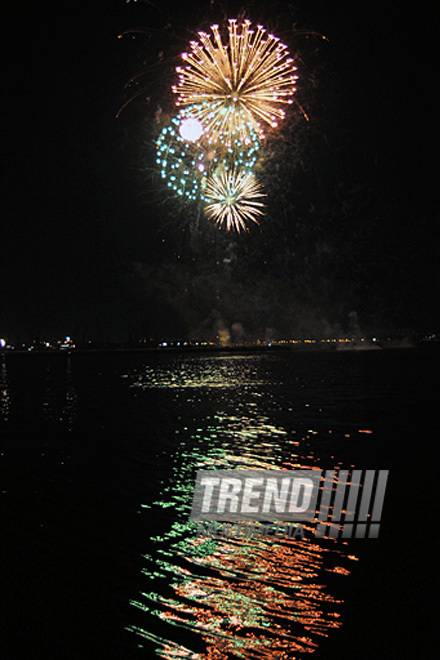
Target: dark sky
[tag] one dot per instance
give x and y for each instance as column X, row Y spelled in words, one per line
column 88, row 247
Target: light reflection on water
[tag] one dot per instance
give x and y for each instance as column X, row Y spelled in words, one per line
column 60, row 403
column 5, row 403
column 220, row 371
column 221, row 598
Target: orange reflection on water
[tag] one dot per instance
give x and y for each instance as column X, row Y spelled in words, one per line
column 267, row 600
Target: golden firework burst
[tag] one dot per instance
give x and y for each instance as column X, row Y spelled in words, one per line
column 243, row 83
column 231, row 199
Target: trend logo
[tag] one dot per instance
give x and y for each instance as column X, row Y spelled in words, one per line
column 343, row 504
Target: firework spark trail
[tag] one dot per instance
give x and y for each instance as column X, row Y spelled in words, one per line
column 231, row 199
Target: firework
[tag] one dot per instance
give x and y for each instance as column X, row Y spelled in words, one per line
column 227, row 92
column 183, row 161
column 231, row 199
column 187, row 157
column 243, row 83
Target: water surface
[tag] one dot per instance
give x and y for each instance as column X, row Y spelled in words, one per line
column 100, row 453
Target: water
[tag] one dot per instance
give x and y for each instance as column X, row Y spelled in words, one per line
column 99, row 456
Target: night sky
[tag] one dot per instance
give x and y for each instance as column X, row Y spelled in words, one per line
column 92, row 247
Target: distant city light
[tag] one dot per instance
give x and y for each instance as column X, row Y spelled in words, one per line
column 67, row 343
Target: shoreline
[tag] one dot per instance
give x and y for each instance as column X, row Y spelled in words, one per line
column 317, row 346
